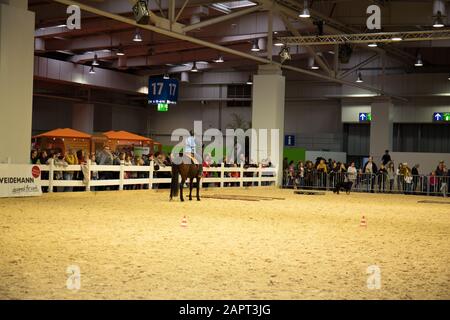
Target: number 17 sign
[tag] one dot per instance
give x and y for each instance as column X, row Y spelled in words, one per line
column 162, row 90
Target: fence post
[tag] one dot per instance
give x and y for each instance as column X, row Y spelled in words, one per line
column 222, row 174
column 88, row 184
column 121, row 176
column 260, row 175
column 51, row 175
column 150, row 175
column 241, row 175
column 8, row 160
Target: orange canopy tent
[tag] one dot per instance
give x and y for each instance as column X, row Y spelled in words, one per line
column 124, row 140
column 61, row 140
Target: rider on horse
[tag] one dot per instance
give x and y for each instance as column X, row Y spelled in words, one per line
column 190, row 150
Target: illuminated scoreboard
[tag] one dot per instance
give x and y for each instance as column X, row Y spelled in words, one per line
column 162, row 91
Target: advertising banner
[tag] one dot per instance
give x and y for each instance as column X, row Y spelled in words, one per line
column 17, row 180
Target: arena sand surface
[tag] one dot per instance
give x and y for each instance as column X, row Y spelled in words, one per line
column 130, row 245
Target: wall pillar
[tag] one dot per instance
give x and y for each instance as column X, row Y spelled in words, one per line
column 16, row 80
column 83, row 117
column 268, row 113
column 381, row 127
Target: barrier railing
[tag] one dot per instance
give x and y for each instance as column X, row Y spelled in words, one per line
column 91, row 176
column 380, row 183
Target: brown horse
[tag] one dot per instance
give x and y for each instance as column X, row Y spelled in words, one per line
column 186, row 170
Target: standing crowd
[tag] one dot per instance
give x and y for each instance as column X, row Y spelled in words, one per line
column 385, row 177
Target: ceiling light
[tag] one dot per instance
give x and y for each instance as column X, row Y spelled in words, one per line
column 219, row 60
column 278, row 43
column 95, row 62
column 249, row 81
column 255, row 47
column 372, row 45
column 396, row 38
column 305, row 12
column 120, row 51
column 311, row 64
column 194, row 67
column 166, row 76
column 419, row 62
column 92, row 70
column 359, row 79
column 438, row 23
column 137, row 36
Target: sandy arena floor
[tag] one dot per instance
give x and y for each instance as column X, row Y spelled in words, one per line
column 130, row 245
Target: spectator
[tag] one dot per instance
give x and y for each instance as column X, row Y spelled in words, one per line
column 391, row 175
column 386, row 158
column 71, row 160
column 370, row 170
column 408, row 178
column 34, row 157
column 60, row 163
column 94, row 174
column 105, row 158
column 352, row 173
column 291, row 173
column 400, row 180
column 43, row 159
column 415, row 174
column 322, row 171
column 301, row 174
column 382, row 178
column 127, row 174
column 444, row 181
column 433, row 183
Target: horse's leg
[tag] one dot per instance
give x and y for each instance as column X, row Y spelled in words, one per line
column 198, row 187
column 183, row 180
column 191, row 184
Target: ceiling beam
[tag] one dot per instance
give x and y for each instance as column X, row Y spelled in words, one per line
column 248, row 56
column 310, row 50
column 220, row 19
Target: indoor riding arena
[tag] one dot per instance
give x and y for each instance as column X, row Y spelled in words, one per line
column 224, row 150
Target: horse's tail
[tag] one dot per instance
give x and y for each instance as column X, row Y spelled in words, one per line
column 174, row 183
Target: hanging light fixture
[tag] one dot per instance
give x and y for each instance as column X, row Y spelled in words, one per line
column 219, row 59
column 372, row 45
column 278, row 43
column 255, row 46
column 95, row 62
column 311, row 64
column 92, row 70
column 305, row 12
column 120, row 51
column 194, row 67
column 419, row 62
column 359, row 79
column 396, row 38
column 137, row 36
column 249, row 81
column 438, row 23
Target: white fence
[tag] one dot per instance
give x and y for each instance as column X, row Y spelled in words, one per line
column 257, row 176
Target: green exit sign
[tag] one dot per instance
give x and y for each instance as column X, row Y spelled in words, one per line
column 163, row 107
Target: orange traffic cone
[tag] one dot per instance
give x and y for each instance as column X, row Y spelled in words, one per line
column 184, row 222
column 363, row 222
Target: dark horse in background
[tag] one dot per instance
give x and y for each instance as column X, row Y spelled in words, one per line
column 187, row 169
